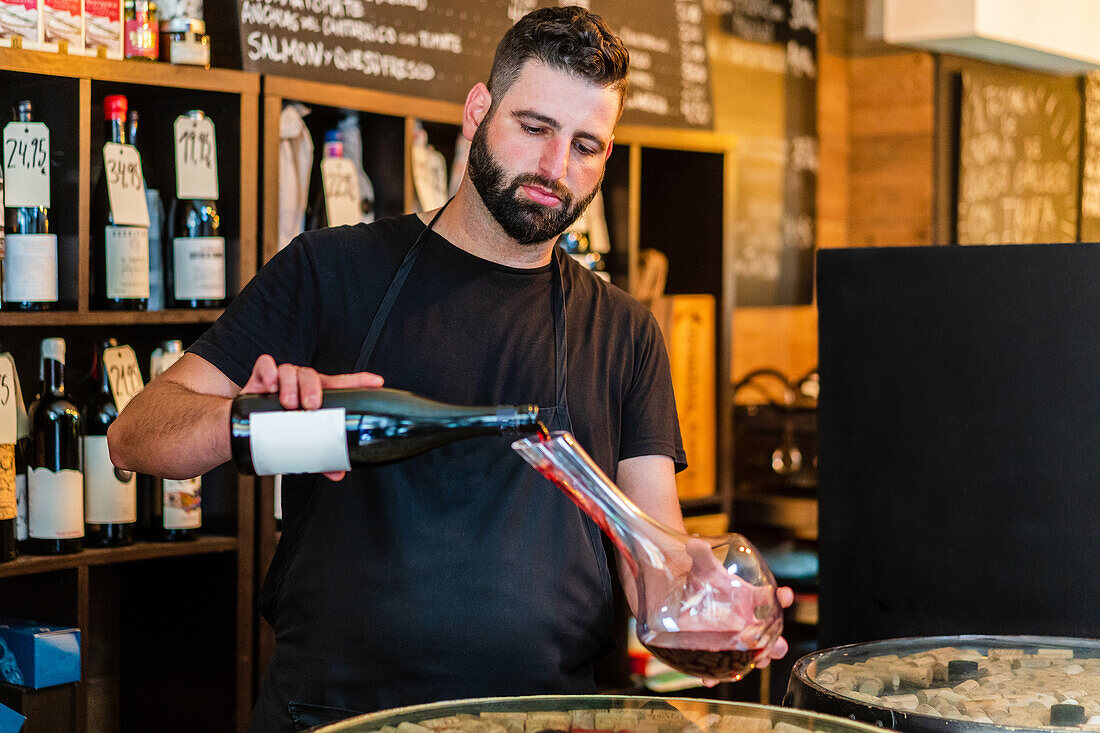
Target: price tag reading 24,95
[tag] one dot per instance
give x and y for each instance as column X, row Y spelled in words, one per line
column 196, row 158
column 125, row 185
column 27, row 164
column 123, row 374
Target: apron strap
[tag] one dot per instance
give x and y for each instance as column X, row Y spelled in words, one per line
column 561, row 344
column 392, row 292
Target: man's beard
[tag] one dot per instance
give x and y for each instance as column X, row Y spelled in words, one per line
column 525, row 221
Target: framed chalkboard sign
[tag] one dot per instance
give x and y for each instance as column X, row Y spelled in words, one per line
column 440, row 48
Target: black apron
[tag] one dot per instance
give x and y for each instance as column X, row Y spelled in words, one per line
column 519, row 597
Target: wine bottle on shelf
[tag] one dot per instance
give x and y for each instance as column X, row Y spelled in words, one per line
column 171, row 509
column 332, row 147
column 55, row 482
column 10, row 399
column 156, row 214
column 358, row 427
column 120, row 251
column 110, row 494
column 194, row 258
column 30, row 266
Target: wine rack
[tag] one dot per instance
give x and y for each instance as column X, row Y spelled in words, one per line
column 156, row 618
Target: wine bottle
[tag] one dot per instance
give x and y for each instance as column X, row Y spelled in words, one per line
column 194, row 260
column 8, row 487
column 110, row 494
column 156, row 215
column 358, row 427
column 171, row 508
column 120, row 265
column 30, row 267
column 332, row 147
column 55, row 483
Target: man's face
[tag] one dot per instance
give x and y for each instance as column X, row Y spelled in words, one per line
column 538, row 159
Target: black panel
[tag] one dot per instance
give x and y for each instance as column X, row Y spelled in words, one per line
column 959, row 429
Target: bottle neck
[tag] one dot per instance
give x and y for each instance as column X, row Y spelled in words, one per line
column 104, row 381
column 23, row 114
column 53, row 377
column 114, row 131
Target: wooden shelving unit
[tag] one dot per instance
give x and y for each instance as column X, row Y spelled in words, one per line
column 156, row 618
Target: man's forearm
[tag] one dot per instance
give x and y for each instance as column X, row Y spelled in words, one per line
column 170, row 431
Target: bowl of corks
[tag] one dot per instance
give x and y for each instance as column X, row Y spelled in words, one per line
column 955, row 684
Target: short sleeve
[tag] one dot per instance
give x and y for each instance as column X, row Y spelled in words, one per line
column 276, row 313
column 649, row 420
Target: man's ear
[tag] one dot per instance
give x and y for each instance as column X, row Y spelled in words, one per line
column 610, row 147
column 478, row 102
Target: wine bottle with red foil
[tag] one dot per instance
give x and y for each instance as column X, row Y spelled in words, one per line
column 194, row 256
column 110, row 493
column 55, row 480
column 120, row 252
column 171, row 509
column 358, row 427
column 30, row 259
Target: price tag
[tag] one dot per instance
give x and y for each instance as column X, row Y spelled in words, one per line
column 125, row 184
column 196, row 158
column 341, row 184
column 123, row 374
column 9, row 410
column 27, row 164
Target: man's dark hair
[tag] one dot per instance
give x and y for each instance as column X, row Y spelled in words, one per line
column 569, row 39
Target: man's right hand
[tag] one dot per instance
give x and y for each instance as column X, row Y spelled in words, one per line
column 299, row 388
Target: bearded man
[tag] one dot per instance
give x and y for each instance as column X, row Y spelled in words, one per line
column 461, row 572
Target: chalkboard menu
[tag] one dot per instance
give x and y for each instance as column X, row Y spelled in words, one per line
column 1090, row 179
column 440, row 48
column 777, row 175
column 1019, row 140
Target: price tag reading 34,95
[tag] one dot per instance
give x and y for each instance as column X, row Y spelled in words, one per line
column 123, row 374
column 125, row 184
column 27, row 164
column 196, row 158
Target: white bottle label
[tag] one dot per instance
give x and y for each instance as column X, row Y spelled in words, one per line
column 20, row 506
column 127, row 262
column 183, row 503
column 30, row 268
column 199, row 264
column 110, row 496
column 55, row 504
column 298, row 441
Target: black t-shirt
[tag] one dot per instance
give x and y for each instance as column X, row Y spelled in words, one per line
column 416, row 547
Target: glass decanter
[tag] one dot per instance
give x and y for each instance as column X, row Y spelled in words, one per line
column 706, row 606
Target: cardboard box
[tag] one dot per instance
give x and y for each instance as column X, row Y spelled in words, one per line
column 63, row 25
column 11, row 721
column 21, row 23
column 103, row 28
column 688, row 325
column 42, row 655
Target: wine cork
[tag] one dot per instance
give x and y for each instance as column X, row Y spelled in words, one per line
column 926, row 709
column 512, row 722
column 789, row 728
column 917, row 675
column 1054, row 653
column 1005, row 653
column 561, row 722
column 412, row 728
column 965, row 687
column 1073, row 669
column 871, row 687
column 904, row 702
